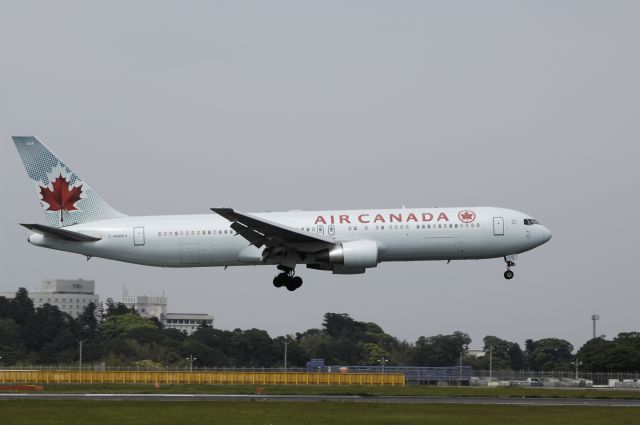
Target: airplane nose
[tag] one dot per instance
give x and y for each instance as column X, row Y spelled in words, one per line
column 546, row 234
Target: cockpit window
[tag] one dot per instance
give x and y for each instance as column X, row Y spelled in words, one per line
column 530, row 221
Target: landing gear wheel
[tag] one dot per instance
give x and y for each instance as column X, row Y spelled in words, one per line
column 280, row 280
column 508, row 275
column 291, row 287
column 287, row 278
column 294, row 283
column 297, row 281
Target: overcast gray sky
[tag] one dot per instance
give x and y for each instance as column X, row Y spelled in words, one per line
column 176, row 107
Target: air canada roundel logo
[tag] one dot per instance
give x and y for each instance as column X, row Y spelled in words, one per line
column 466, row 216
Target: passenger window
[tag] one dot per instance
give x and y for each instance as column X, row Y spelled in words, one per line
column 349, row 227
column 355, row 227
column 225, row 232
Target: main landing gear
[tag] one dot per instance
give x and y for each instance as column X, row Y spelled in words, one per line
column 287, row 278
column 510, row 263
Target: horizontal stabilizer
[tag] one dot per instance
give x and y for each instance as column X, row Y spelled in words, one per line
column 59, row 233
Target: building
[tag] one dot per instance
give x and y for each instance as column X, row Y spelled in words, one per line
column 187, row 322
column 70, row 296
column 148, row 307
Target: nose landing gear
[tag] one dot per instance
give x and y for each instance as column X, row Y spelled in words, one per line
column 287, row 278
column 510, row 263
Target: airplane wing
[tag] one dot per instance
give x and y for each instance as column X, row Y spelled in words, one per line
column 259, row 232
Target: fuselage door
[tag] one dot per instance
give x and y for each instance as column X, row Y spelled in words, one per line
column 498, row 226
column 138, row 236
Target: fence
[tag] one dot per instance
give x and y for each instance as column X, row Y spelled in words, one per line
column 598, row 378
column 199, row 377
column 456, row 375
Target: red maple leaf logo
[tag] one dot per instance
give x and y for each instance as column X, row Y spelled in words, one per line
column 466, row 216
column 61, row 198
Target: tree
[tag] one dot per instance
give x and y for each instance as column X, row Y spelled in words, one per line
column 593, row 355
column 119, row 325
column 48, row 321
column 441, row 350
column 341, row 325
column 116, row 309
column 252, row 348
column 506, row 354
column 87, row 323
column 620, row 355
column 297, row 356
column 21, row 308
column 11, row 342
column 550, row 354
column 5, row 308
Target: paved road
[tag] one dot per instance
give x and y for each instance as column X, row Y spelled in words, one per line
column 316, row 398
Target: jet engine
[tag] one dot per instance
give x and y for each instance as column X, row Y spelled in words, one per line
column 357, row 254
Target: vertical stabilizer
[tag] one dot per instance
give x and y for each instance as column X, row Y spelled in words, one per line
column 65, row 198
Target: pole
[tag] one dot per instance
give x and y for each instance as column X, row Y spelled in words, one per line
column 286, row 343
column 460, row 370
column 383, row 361
column 80, row 341
column 191, row 359
column 490, row 363
column 594, row 317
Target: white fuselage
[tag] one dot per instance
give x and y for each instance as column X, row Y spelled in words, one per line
column 405, row 234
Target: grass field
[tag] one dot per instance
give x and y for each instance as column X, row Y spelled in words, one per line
column 413, row 390
column 41, row 412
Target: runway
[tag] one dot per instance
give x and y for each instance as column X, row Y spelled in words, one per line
column 511, row 401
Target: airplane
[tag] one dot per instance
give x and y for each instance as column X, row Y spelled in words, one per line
column 342, row 241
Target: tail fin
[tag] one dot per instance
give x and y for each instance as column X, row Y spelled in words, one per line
column 65, row 198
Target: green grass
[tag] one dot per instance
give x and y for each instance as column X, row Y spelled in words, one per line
column 412, row 390
column 41, row 412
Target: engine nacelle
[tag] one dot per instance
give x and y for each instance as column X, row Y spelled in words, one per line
column 356, row 254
